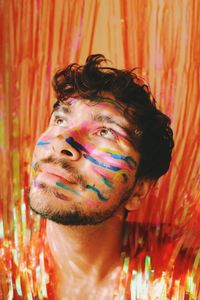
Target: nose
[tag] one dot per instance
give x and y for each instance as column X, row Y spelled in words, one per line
column 67, row 147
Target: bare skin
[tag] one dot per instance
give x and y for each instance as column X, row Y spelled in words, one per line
column 70, row 159
column 87, row 258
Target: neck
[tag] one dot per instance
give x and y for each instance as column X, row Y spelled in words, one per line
column 86, row 250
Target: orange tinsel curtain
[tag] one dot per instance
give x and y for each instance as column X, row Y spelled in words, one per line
column 37, row 37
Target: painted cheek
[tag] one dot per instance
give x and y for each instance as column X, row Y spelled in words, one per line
column 114, row 155
column 68, row 188
column 72, row 142
column 120, row 175
column 32, row 171
column 110, row 162
column 81, row 129
column 91, row 203
column 43, row 146
column 116, row 164
column 94, row 204
column 44, row 140
column 101, row 172
column 98, row 193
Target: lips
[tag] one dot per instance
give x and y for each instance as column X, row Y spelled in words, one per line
column 62, row 175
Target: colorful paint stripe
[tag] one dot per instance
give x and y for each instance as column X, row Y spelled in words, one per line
column 116, row 155
column 41, row 143
column 75, row 144
column 110, row 161
column 101, row 197
column 121, row 174
column 101, row 172
column 45, row 140
column 68, row 188
column 101, row 164
column 107, row 182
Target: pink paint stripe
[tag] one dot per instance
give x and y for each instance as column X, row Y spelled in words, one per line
column 101, row 172
column 46, row 138
column 107, row 159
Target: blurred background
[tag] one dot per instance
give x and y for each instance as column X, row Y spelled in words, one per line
column 161, row 38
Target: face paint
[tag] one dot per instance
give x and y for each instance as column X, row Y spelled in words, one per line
column 101, row 197
column 101, row 164
column 79, row 130
column 41, row 143
column 112, row 162
column 103, row 160
column 72, row 100
column 90, row 203
column 93, row 203
column 114, row 154
column 107, row 155
column 45, row 140
column 115, row 161
column 61, row 196
column 107, row 182
column 122, row 135
column 75, row 145
column 33, row 173
column 104, row 176
column 36, row 185
column 101, row 172
column 111, row 158
column 121, row 174
column 68, row 188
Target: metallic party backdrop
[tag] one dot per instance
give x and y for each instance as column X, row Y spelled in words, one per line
column 159, row 37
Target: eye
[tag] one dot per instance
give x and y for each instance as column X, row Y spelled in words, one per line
column 59, row 121
column 107, row 133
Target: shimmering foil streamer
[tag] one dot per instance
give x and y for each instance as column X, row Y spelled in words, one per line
column 159, row 37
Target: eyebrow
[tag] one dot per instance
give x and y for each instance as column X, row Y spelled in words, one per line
column 64, row 109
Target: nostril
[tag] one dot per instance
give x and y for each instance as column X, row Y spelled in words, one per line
column 67, row 152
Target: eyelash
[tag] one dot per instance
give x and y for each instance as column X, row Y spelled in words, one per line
column 110, row 130
column 56, row 118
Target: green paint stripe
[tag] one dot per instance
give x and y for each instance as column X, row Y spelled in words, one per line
column 107, row 182
column 66, row 187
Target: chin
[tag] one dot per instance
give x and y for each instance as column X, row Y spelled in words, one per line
column 42, row 201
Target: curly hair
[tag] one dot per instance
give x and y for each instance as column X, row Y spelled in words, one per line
column 155, row 138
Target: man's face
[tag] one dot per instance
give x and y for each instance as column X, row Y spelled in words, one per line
column 84, row 164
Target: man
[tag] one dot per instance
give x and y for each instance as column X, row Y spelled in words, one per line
column 105, row 146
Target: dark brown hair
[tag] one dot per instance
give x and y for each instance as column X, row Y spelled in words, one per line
column 154, row 135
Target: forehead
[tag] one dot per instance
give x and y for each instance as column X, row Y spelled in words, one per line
column 95, row 108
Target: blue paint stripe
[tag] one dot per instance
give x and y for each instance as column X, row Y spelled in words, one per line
column 127, row 159
column 130, row 159
column 101, row 197
column 75, row 145
column 42, row 143
column 117, row 156
column 101, row 164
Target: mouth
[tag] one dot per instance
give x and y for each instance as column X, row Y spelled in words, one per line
column 61, row 196
column 59, row 178
column 52, row 174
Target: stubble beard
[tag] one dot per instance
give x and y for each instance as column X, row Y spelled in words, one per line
column 74, row 215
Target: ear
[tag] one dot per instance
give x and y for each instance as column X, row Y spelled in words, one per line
column 140, row 191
